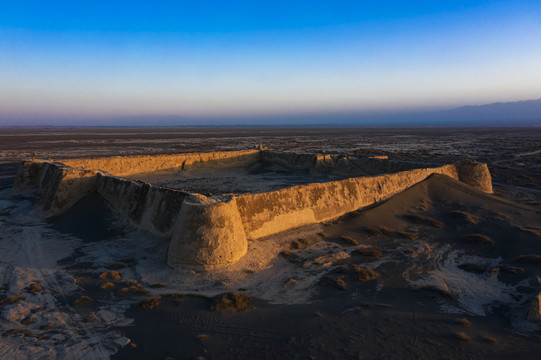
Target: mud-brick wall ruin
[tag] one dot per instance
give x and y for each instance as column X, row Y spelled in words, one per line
column 216, row 230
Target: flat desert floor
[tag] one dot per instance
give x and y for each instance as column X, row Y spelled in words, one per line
column 439, row 271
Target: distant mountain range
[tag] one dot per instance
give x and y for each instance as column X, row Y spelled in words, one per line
column 496, row 114
column 502, row 113
column 518, row 113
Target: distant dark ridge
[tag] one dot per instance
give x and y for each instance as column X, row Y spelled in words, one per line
column 519, row 113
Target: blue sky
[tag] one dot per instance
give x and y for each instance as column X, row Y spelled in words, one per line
column 78, row 62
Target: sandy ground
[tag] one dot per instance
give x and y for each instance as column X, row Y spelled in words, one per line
column 404, row 279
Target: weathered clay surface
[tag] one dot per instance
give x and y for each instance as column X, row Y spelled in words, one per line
column 291, row 160
column 321, row 163
column 28, row 175
column 207, row 232
column 62, row 187
column 270, row 213
column 341, row 165
column 140, row 164
column 215, row 230
column 152, row 208
column 59, row 186
column 476, row 175
column 370, row 166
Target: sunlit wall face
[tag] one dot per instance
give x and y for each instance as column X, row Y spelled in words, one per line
column 66, row 62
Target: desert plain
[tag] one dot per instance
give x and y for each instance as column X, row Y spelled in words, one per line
column 437, row 271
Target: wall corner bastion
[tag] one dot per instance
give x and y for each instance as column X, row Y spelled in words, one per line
column 207, row 232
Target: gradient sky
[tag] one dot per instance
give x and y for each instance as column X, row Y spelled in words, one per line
column 78, row 61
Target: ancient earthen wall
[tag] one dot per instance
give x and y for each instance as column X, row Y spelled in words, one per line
column 207, row 232
column 273, row 212
column 476, row 175
column 341, row 165
column 152, row 208
column 288, row 159
column 140, row 164
column 215, row 230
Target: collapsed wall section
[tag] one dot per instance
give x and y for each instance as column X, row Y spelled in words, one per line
column 288, row 159
column 151, row 208
column 372, row 166
column 59, row 186
column 341, row 164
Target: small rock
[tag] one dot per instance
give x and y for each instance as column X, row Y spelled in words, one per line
column 290, row 283
column 534, row 314
column 122, row 341
column 107, row 286
column 58, row 337
column 110, row 276
column 81, row 300
column 340, row 283
column 350, row 240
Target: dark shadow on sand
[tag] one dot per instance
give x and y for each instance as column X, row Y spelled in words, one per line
column 90, row 219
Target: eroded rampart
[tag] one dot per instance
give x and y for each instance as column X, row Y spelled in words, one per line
column 215, row 230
